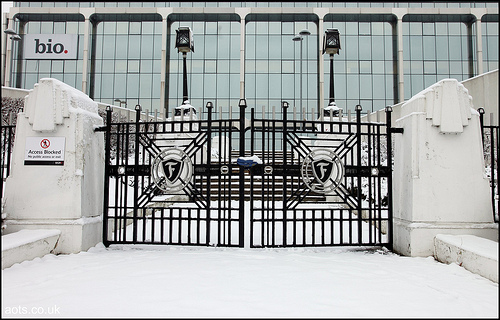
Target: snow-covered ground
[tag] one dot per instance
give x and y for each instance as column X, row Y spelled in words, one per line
column 169, row 281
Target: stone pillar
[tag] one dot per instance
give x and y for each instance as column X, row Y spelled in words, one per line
column 440, row 186
column 57, row 173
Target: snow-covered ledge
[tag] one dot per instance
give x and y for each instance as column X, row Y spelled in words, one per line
column 478, row 255
column 27, row 245
column 440, row 185
column 56, row 178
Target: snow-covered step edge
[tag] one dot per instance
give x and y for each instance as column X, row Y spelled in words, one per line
column 476, row 254
column 27, row 245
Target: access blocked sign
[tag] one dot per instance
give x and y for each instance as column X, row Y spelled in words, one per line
column 44, row 151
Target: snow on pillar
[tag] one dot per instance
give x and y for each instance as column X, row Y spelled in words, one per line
column 57, row 172
column 440, row 185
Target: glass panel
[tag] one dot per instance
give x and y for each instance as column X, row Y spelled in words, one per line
column 351, row 48
column 365, row 48
column 222, row 85
column 134, row 50
column 378, row 67
column 197, row 90
column 146, row 66
column 224, row 27
column 210, row 86
column 210, row 47
column 222, row 66
column 416, row 48
column 429, row 46
column 379, row 87
column 133, row 66
column 223, row 49
column 146, row 47
column 120, row 47
column 365, row 67
column 121, row 27
column 107, row 86
column 366, row 86
column 135, row 28
column 261, row 47
column 455, row 48
column 145, row 86
column 210, row 66
column 262, row 87
column 378, row 47
column 132, row 86
column 287, row 66
column 429, row 67
column 442, row 47
column 120, row 67
column 274, row 47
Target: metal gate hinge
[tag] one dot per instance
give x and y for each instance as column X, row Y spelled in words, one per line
column 100, row 129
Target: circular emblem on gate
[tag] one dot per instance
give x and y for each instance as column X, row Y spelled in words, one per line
column 322, row 170
column 172, row 170
column 224, row 169
column 268, row 169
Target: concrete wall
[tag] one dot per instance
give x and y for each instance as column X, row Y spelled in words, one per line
column 440, row 185
column 64, row 195
column 484, row 92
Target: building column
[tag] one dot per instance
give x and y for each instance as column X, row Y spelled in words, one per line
column 400, row 62
column 242, row 12
column 164, row 12
column 86, row 12
column 320, row 12
column 479, row 44
column 5, row 26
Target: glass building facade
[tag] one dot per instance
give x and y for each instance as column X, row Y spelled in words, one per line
column 126, row 50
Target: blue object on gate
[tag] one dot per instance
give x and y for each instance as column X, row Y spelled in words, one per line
column 246, row 163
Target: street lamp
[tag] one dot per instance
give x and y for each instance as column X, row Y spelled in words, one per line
column 121, row 101
column 331, row 46
column 13, row 35
column 184, row 43
column 300, row 37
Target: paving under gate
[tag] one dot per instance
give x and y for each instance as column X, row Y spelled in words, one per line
column 248, row 183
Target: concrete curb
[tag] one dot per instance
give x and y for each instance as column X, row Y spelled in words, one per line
column 476, row 254
column 27, row 244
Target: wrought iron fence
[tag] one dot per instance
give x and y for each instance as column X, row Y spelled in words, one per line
column 491, row 145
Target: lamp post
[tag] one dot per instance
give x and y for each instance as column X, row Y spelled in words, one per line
column 184, row 43
column 331, row 46
column 121, row 101
column 300, row 37
column 6, row 58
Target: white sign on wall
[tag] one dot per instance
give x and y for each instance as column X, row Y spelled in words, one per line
column 44, row 151
column 50, row 46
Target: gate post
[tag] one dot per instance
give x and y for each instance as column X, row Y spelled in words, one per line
column 107, row 162
column 285, row 126
column 136, row 169
column 440, row 186
column 56, row 178
column 242, row 104
column 388, row 120
column 358, row 157
column 209, row 107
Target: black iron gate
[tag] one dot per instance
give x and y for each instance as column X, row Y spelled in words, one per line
column 240, row 183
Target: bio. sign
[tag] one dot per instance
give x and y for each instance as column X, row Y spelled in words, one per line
column 50, row 46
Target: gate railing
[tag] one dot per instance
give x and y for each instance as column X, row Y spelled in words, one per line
column 278, row 203
column 491, row 146
column 353, row 211
column 7, row 132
